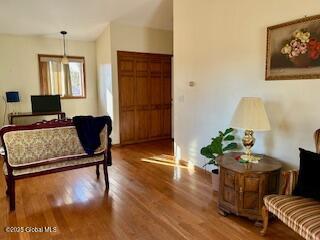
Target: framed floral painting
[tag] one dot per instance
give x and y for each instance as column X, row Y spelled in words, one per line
column 293, row 50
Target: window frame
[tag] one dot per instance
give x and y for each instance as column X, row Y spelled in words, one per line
column 42, row 80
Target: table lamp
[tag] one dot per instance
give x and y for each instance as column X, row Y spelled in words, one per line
column 250, row 116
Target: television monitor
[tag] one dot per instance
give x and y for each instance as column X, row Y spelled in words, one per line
column 46, row 103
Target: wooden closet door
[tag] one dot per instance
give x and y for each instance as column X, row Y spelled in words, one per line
column 142, row 105
column 156, row 99
column 145, row 96
column 127, row 95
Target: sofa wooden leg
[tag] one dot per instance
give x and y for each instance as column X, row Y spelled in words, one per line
column 265, row 218
column 106, row 176
column 98, row 171
column 12, row 194
column 8, row 186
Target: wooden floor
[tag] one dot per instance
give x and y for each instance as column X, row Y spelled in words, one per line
column 149, row 198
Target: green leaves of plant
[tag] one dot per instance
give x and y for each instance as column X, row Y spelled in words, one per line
column 216, row 145
column 207, row 151
column 229, row 130
column 229, row 138
column 230, row 146
column 216, row 148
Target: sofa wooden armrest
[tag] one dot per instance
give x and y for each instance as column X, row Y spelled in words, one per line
column 289, row 181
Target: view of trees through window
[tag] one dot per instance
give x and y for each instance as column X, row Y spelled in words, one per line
column 75, row 75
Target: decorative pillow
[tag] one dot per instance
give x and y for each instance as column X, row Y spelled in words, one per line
column 309, row 175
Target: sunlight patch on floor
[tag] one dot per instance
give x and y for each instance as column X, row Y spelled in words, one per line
column 168, row 160
column 149, row 160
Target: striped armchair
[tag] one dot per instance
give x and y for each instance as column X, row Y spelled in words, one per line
column 299, row 213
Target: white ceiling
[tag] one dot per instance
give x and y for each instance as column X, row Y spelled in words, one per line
column 83, row 19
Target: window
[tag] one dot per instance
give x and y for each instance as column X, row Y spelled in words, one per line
column 67, row 80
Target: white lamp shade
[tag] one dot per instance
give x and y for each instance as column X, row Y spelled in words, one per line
column 251, row 115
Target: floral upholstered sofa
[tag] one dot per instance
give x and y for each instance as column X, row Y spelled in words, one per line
column 48, row 147
column 301, row 214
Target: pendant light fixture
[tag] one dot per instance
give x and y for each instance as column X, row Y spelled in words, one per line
column 65, row 58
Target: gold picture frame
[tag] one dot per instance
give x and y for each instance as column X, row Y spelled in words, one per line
column 293, row 50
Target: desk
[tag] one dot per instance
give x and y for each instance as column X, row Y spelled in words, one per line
column 12, row 116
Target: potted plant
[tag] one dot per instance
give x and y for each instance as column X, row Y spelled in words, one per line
column 219, row 145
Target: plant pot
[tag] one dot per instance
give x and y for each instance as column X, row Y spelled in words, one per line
column 215, row 180
column 301, row 61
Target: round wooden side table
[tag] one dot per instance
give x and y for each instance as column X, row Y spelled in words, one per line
column 243, row 185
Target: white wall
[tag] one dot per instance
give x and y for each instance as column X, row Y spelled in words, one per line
column 135, row 39
column 221, row 45
column 104, row 72
column 19, row 71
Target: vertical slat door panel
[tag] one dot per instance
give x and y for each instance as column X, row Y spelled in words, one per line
column 156, row 123
column 127, row 125
column 142, row 124
column 156, row 91
column 167, row 122
column 145, row 96
column 127, row 89
column 127, row 98
column 142, row 92
column 142, row 84
column 156, row 100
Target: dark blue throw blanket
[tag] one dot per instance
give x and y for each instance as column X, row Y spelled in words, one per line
column 89, row 128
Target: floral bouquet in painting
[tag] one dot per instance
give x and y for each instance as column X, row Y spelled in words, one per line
column 302, row 49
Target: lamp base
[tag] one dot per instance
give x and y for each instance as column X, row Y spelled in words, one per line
column 250, row 158
column 248, row 141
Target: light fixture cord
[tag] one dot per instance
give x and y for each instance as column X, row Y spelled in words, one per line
column 64, row 44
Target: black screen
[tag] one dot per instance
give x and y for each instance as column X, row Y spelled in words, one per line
column 46, row 103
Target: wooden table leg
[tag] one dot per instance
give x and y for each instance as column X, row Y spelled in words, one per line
column 265, row 217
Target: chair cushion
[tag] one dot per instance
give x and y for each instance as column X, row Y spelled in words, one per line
column 300, row 214
column 67, row 163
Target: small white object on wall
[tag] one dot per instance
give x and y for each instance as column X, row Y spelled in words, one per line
column 191, row 84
